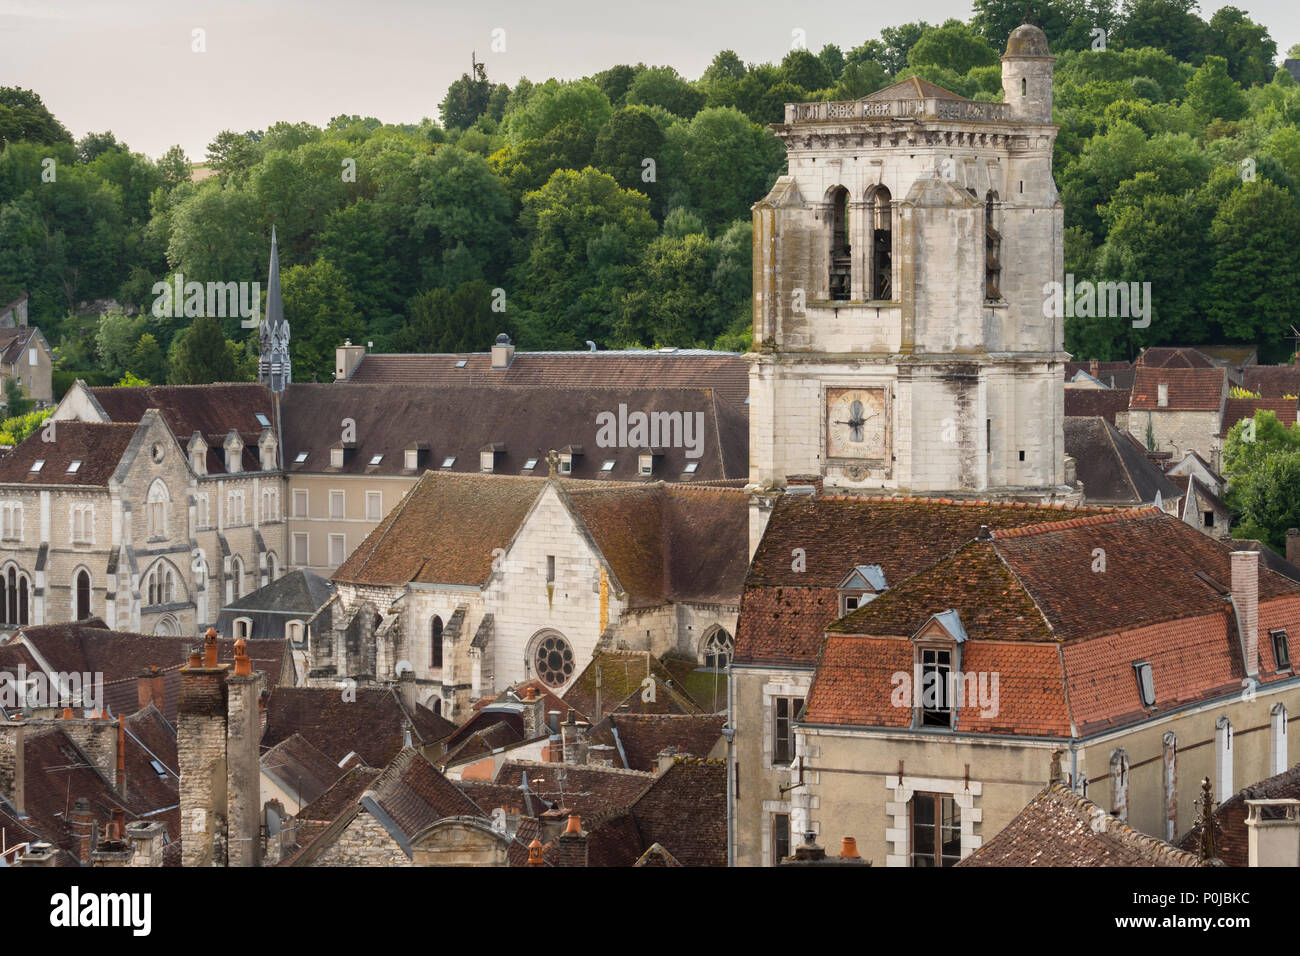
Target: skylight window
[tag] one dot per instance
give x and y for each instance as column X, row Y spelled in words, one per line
column 530, row 464
column 263, row 420
column 690, row 467
column 73, row 466
column 1146, row 685
column 376, row 459
column 461, row 363
column 449, row 461
column 37, row 465
column 158, row 768
column 608, row 466
column 302, row 456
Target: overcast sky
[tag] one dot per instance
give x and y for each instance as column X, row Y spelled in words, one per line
column 128, row 66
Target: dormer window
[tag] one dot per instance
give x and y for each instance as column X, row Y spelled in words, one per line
column 336, row 456
column 412, row 461
column 234, row 455
column 1281, row 650
column 1146, row 684
column 937, row 666
column 862, row 584
column 566, row 464
column 486, row 460
column 645, row 464
column 934, row 697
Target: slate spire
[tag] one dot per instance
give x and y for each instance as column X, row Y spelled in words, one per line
column 273, row 368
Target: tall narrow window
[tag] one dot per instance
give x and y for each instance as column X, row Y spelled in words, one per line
column 435, row 642
column 784, row 712
column 882, row 246
column 936, row 830
column 936, row 670
column 841, row 275
column 550, row 569
column 156, row 510
column 83, row 595
column 992, row 250
column 780, row 837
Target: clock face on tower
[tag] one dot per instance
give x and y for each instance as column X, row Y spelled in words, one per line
column 857, row 424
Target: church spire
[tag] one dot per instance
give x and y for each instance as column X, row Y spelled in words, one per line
column 273, row 368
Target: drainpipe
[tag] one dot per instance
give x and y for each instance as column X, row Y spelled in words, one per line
column 729, row 732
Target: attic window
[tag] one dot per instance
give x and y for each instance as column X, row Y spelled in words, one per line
column 1281, row 652
column 608, row 465
column 690, row 467
column 530, row 464
column 449, row 461
column 375, row 459
column 158, row 768
column 302, row 456
column 460, row 363
column 263, row 420
column 646, row 464
column 566, row 464
column 37, row 465
column 73, row 466
column 1146, row 686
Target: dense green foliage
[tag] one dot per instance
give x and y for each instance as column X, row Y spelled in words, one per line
column 615, row 208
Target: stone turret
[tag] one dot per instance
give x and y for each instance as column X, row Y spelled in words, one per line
column 1027, row 75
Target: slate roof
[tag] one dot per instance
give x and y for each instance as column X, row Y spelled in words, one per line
column 1190, row 389
column 14, row 341
column 1236, row 409
column 414, row 795
column 1118, row 375
column 1112, row 467
column 638, row 739
column 525, row 422
column 99, row 448
column 685, row 811
column 298, row 591
column 1272, row 381
column 1233, row 842
column 584, row 789
column 1173, row 357
column 726, row 372
column 1061, row 828
column 371, row 726
column 301, row 768
column 784, row 611
column 1104, row 402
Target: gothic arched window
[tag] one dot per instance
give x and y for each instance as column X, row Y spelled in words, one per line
column 156, row 510
column 882, row 245
column 717, row 647
column 435, row 642
column 83, row 595
column 992, row 250
column 841, row 266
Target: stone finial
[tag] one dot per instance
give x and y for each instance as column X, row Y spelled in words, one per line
column 553, row 462
column 1205, row 817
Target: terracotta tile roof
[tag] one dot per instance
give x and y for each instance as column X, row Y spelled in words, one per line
column 1112, row 468
column 685, row 811
column 1061, row 828
column 1233, row 842
column 621, row 674
column 341, row 795
column 1235, row 409
column 414, row 795
column 1167, row 357
column 586, row 790
column 727, row 372
column 303, row 770
column 370, row 726
column 473, row 514
column 1103, row 402
column 488, row 796
column 1190, row 389
column 638, row 739
column 1272, row 381
column 97, row 446
column 784, row 611
column 525, row 423
column 614, row 840
column 211, row 410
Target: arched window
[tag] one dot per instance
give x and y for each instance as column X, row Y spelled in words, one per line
column 551, row 658
column 16, row 592
column 882, row 245
column 841, row 277
column 83, row 595
column 156, row 510
column 435, row 642
column 237, row 576
column 272, row 567
column 167, row 627
column 716, row 648
column 160, row 585
column 992, row 250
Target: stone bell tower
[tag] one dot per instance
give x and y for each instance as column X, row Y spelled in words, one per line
column 900, row 341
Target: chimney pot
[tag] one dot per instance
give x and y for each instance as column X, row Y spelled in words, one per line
column 210, row 648
column 574, row 826
column 849, row 848
column 535, row 853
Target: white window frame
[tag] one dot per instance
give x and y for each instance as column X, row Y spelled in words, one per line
column 377, row 513
column 12, row 521
column 82, row 524
column 341, row 496
column 342, row 541
column 306, row 502
column 300, row 556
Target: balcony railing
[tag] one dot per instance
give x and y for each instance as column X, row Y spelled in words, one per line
column 930, row 107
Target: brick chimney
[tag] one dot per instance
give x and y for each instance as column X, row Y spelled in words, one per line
column 1245, row 597
column 13, row 781
column 571, row 847
column 149, row 689
column 81, row 826
column 1293, row 545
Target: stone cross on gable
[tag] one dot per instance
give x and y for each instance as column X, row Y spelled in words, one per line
column 553, row 462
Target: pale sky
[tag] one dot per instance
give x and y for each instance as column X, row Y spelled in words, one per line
column 128, row 65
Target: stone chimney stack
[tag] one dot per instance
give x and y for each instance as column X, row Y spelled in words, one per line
column 575, row 733
column 1273, row 832
column 149, row 689
column 1245, row 595
column 201, row 749
column 243, row 769
column 81, row 824
column 38, row 854
column 97, row 738
column 534, row 714
column 600, row 755
column 503, row 353
column 346, row 358
column 146, row 839
column 13, row 781
column 571, row 846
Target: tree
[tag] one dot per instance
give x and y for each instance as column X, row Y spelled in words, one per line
column 616, row 81
column 664, row 86
column 443, row 321
column 1246, row 45
column 896, row 43
column 17, row 403
column 466, row 99
column 322, row 315
column 147, row 360
column 117, row 336
column 175, row 167
column 1169, row 25
column 552, row 103
column 802, row 68
column 953, row 46
column 24, row 117
column 233, row 154
column 622, row 147
column 832, row 57
column 200, row 355
column 727, row 162
column 1266, row 498
column 93, row 145
column 1213, row 94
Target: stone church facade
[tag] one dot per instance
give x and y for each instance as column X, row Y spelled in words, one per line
column 900, row 340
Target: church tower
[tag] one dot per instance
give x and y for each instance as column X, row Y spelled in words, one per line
column 900, row 341
column 273, row 368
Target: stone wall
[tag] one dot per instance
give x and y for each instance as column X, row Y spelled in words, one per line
column 364, row 842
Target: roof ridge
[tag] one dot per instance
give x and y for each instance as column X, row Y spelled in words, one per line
column 969, row 502
column 1131, row 514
